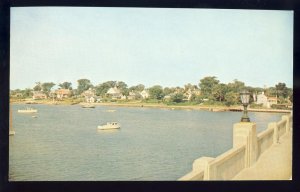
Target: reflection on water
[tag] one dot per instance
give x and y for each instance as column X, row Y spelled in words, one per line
column 107, row 131
column 63, row 142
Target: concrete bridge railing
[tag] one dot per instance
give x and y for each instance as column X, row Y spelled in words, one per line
column 247, row 147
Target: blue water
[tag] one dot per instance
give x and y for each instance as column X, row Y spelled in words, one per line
column 63, row 144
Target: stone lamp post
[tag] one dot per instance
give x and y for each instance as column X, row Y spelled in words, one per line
column 245, row 97
column 244, row 133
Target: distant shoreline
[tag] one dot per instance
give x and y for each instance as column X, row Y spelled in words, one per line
column 157, row 105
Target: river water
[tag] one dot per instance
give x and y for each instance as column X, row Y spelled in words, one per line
column 63, row 144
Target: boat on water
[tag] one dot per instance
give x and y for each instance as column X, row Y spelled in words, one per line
column 88, row 106
column 111, row 110
column 12, row 132
column 27, row 110
column 31, row 102
column 11, row 129
column 110, row 125
column 217, row 109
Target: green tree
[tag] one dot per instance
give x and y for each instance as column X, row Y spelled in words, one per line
column 66, row 85
column 252, row 91
column 156, row 92
column 168, row 91
column 291, row 96
column 206, row 85
column 102, row 88
column 137, row 88
column 83, row 85
column 231, row 98
column 111, row 83
column 219, row 91
column 179, row 89
column 255, row 90
column 271, row 92
column 125, row 91
column 13, row 92
column 46, row 87
column 193, row 97
column 38, row 86
column 282, row 90
column 237, row 86
column 27, row 93
column 189, row 86
column 123, row 87
column 177, row 97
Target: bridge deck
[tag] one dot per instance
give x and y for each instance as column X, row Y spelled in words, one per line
column 274, row 164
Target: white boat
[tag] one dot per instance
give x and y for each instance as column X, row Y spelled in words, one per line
column 111, row 110
column 12, row 132
column 11, row 129
column 88, row 106
column 27, row 110
column 110, row 125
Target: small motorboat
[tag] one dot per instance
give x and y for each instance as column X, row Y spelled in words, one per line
column 110, row 125
column 12, row 132
column 88, row 106
column 27, row 110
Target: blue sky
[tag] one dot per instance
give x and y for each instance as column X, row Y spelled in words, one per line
column 169, row 47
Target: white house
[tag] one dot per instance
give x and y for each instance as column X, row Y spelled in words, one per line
column 114, row 92
column 266, row 101
column 144, row 94
column 89, row 95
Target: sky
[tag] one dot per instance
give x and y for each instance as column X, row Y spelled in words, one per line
column 150, row 46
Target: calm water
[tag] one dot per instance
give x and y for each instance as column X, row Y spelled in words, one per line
column 62, row 143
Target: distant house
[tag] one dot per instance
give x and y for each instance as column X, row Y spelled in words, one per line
column 93, row 99
column 133, row 95
column 63, row 93
column 266, row 101
column 89, row 95
column 272, row 100
column 167, row 97
column 188, row 95
column 144, row 94
column 39, row 95
column 123, row 97
column 197, row 92
column 115, row 93
column 190, row 92
column 98, row 99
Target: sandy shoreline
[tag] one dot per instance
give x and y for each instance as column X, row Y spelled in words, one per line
column 162, row 106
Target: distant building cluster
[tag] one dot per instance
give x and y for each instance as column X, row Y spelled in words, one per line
column 113, row 93
column 209, row 91
column 89, row 95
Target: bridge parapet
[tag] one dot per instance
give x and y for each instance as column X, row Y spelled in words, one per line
column 247, row 148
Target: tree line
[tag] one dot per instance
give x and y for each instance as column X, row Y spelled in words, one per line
column 209, row 90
